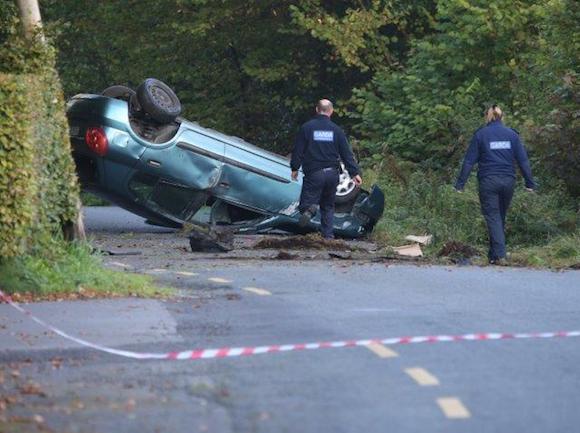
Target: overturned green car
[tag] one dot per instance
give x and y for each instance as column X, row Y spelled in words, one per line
column 133, row 149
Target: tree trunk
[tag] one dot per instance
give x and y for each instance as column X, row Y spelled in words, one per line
column 30, row 17
column 75, row 230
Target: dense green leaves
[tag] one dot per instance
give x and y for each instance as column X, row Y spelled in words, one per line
column 38, row 188
column 426, row 111
column 243, row 67
column 411, row 78
column 253, row 69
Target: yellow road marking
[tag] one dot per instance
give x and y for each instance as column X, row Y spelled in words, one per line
column 422, row 376
column 187, row 274
column 256, row 291
column 219, row 280
column 382, row 351
column 453, row 408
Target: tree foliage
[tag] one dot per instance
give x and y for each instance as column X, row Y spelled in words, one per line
column 522, row 55
column 244, row 67
column 551, row 93
column 253, row 69
column 411, row 78
column 425, row 111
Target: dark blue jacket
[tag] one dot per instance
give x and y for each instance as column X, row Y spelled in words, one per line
column 321, row 143
column 494, row 148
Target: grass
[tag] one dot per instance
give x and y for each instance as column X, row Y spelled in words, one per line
column 542, row 228
column 561, row 252
column 70, row 270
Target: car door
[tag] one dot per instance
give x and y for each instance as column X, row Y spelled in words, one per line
column 256, row 179
column 176, row 180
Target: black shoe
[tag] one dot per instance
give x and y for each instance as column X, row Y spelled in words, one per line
column 306, row 216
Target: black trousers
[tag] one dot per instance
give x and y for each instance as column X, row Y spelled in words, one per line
column 319, row 188
column 495, row 196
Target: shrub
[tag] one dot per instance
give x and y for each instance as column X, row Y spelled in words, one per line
column 38, row 186
column 426, row 203
column 561, row 252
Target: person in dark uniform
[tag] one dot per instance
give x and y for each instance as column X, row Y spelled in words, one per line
column 495, row 147
column 319, row 147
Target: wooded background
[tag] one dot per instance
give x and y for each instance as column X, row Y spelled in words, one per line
column 410, row 79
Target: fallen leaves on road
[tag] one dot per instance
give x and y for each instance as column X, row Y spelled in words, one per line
column 77, row 404
column 56, row 363
column 39, row 419
column 130, row 404
column 32, row 388
column 82, row 293
column 8, row 400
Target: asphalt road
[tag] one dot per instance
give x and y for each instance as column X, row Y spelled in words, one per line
column 512, row 385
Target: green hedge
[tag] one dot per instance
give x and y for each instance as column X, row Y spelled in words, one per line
column 38, row 186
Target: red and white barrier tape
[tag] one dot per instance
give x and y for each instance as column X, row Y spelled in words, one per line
column 227, row 352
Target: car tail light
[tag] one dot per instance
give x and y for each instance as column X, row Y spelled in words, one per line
column 96, row 140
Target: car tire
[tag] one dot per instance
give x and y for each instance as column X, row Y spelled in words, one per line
column 350, row 197
column 158, row 100
column 347, row 190
column 119, row 92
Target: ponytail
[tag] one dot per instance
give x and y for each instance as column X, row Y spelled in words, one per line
column 493, row 113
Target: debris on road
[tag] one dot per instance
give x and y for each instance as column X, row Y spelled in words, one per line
column 311, row 241
column 205, row 238
column 32, row 388
column 284, row 255
column 412, row 250
column 341, row 256
column 457, row 251
column 118, row 253
column 423, row 240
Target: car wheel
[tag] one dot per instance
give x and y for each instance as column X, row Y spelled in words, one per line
column 158, row 100
column 347, row 190
column 119, row 92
